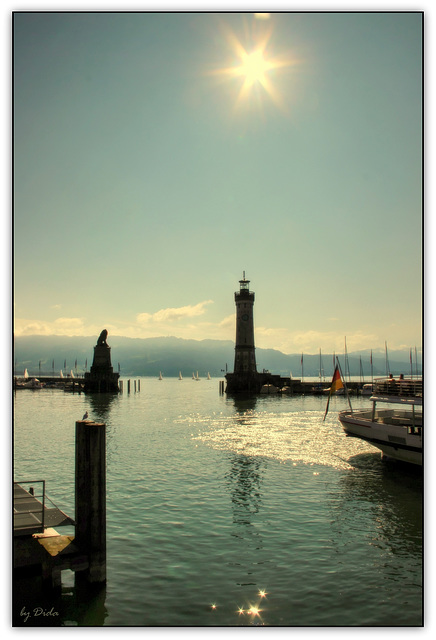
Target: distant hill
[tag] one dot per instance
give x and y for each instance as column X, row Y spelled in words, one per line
column 146, row 357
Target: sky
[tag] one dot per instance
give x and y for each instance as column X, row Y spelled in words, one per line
column 158, row 156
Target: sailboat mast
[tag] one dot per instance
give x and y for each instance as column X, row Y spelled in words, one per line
column 347, row 364
column 388, row 368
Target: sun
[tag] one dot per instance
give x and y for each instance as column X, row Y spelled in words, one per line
column 257, row 67
column 254, row 67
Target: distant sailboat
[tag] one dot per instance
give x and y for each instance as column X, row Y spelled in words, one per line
column 26, row 374
column 197, row 378
column 61, row 374
column 160, row 375
column 193, row 375
column 208, row 375
column 180, row 375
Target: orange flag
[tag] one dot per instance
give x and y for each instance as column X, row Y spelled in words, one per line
column 335, row 385
column 336, row 382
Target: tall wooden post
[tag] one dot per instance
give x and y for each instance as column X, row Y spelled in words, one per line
column 91, row 496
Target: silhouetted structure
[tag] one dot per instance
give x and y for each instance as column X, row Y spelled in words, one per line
column 101, row 377
column 245, row 378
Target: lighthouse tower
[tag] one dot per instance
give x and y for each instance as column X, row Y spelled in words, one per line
column 244, row 378
column 245, row 359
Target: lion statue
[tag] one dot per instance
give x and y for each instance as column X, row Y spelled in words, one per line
column 102, row 339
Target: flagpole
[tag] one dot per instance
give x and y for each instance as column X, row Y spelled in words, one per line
column 333, row 382
column 345, row 384
column 327, row 407
column 337, row 378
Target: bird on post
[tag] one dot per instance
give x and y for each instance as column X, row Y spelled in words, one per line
column 85, row 417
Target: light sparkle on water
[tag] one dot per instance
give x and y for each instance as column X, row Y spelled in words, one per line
column 297, row 437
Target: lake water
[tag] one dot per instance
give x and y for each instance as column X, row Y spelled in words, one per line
column 227, row 513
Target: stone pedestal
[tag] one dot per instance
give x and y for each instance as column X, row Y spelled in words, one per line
column 101, row 377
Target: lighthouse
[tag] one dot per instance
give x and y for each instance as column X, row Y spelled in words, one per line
column 245, row 357
column 244, row 378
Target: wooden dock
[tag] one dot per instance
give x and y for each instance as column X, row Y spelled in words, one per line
column 49, row 382
column 38, row 547
column 32, row 513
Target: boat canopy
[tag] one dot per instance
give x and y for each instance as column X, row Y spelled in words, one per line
column 397, row 399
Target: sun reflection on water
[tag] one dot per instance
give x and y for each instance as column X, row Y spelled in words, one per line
column 291, row 437
column 252, row 612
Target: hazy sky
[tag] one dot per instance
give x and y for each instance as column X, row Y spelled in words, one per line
column 155, row 160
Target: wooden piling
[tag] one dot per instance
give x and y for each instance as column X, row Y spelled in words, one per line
column 128, row 386
column 139, row 385
column 91, row 497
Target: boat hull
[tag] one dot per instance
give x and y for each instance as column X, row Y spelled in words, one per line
column 402, row 443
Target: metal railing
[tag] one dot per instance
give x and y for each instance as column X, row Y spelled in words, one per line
column 401, row 387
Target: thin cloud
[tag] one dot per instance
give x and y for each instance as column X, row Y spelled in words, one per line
column 174, row 314
column 59, row 327
column 311, row 341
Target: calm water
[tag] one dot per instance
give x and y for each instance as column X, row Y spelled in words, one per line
column 210, row 501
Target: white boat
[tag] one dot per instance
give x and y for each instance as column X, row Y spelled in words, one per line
column 193, row 375
column 160, row 375
column 208, row 376
column 396, row 429
column 269, row 388
column 338, row 392
column 180, row 375
column 29, row 383
column 367, row 389
column 197, row 377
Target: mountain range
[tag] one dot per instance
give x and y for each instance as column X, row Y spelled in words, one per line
column 45, row 355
